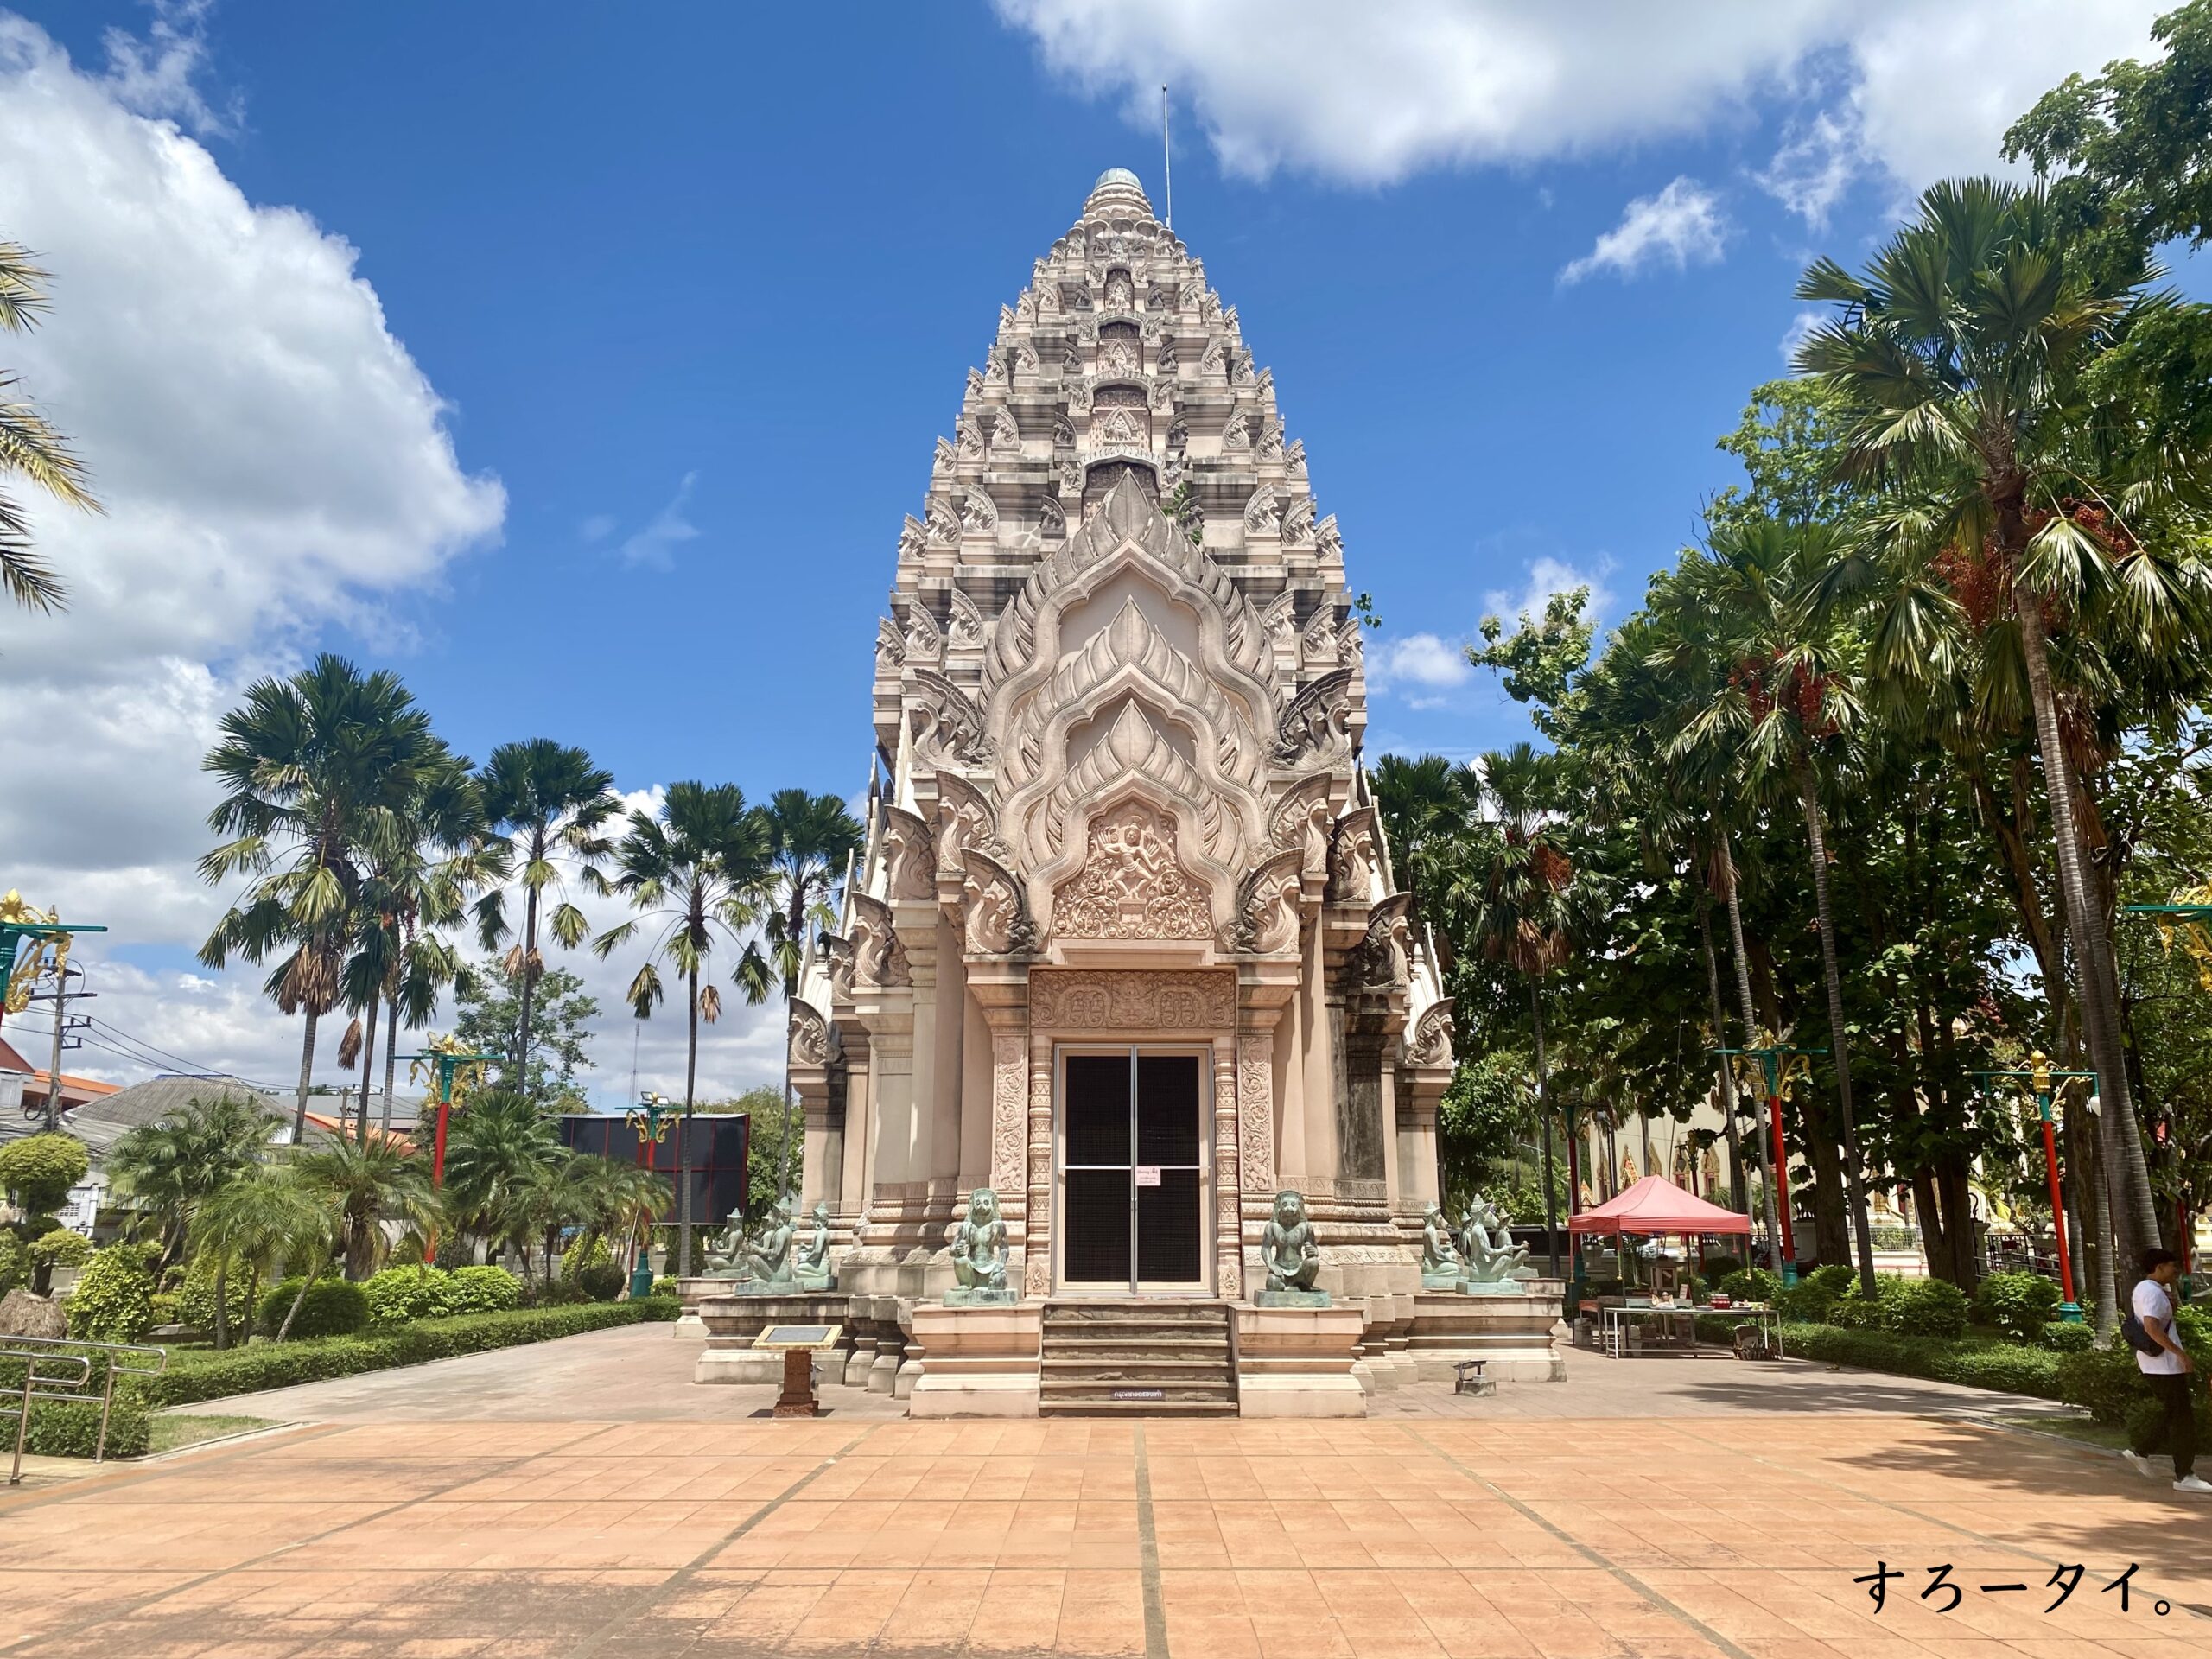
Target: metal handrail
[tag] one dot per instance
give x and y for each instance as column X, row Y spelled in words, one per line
column 36, row 1350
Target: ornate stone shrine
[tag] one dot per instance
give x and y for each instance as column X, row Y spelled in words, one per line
column 1124, row 946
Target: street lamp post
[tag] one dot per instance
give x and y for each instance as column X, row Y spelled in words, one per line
column 448, row 1061
column 2040, row 1075
column 1771, row 1059
column 650, row 1119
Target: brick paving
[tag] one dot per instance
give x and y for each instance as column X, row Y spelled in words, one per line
column 1728, row 1517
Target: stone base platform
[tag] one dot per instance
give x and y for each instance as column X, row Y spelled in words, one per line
column 732, row 1322
column 1296, row 1362
column 1516, row 1334
column 976, row 1361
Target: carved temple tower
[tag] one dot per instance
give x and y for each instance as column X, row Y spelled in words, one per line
column 1124, row 943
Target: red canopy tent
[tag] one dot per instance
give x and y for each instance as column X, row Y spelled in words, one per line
column 1655, row 1204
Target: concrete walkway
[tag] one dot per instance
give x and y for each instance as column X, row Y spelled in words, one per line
column 1729, row 1517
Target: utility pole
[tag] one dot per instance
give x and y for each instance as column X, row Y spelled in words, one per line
column 61, row 996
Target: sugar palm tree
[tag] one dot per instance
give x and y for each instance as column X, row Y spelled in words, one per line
column 167, row 1169
column 1792, row 686
column 1967, row 356
column 700, row 874
column 555, row 803
column 319, row 774
column 31, row 446
column 368, row 1183
column 811, row 840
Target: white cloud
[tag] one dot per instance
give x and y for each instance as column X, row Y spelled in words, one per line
column 598, row 527
column 1549, row 577
column 1370, row 95
column 1423, row 659
column 653, row 547
column 272, row 462
column 1682, row 226
column 1816, row 163
column 1801, row 326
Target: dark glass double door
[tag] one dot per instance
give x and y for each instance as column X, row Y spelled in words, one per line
column 1132, row 1171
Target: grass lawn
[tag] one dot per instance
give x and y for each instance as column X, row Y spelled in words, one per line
column 168, row 1432
column 2109, row 1436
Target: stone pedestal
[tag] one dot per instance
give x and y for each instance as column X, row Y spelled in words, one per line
column 1515, row 1334
column 1296, row 1362
column 976, row 1361
column 691, row 1292
column 732, row 1323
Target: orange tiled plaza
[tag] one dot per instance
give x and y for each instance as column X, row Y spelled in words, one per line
column 577, row 1498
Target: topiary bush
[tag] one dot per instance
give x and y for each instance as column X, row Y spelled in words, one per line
column 483, row 1290
column 113, row 1300
column 2019, row 1304
column 38, row 1170
column 60, row 1247
column 2063, row 1337
column 1923, row 1308
column 332, row 1307
column 196, row 1296
column 398, row 1294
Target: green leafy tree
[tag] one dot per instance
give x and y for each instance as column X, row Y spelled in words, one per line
column 489, row 999
column 701, row 874
column 555, row 805
column 30, row 447
column 37, row 1171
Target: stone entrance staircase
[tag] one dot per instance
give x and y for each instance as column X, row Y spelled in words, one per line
column 1137, row 1359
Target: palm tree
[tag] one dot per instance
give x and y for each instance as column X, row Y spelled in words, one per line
column 30, row 446
column 367, row 1184
column 700, row 873
column 320, row 772
column 1966, row 356
column 496, row 1148
column 168, row 1168
column 1521, row 917
column 269, row 1218
column 555, row 803
column 1793, row 684
column 811, row 839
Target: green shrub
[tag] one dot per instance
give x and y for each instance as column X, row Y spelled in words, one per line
column 60, row 1247
column 1923, row 1308
column 1857, row 1312
column 664, row 1285
column 196, row 1296
column 169, row 1308
column 483, row 1290
column 71, row 1428
column 398, row 1294
column 38, row 1170
column 2064, row 1338
column 202, row 1374
column 2102, row 1379
column 1833, row 1279
column 1807, row 1302
column 113, row 1300
column 2147, row 1418
column 2008, row 1367
column 1717, row 1267
column 332, row 1307
column 2019, row 1304
column 15, row 1262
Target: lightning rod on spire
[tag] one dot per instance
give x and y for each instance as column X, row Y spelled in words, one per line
column 1167, row 159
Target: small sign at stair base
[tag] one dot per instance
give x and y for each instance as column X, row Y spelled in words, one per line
column 1140, row 1393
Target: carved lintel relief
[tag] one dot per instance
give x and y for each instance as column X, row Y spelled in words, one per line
column 910, row 851
column 1429, row 1041
column 1087, row 998
column 1130, row 886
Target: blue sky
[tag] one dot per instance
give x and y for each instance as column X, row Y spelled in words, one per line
column 690, row 288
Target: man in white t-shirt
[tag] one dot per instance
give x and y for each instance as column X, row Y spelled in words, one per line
column 2166, row 1372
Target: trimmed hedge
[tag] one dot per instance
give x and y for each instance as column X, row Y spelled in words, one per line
column 400, row 1294
column 332, row 1307
column 196, row 1375
column 2010, row 1368
column 71, row 1428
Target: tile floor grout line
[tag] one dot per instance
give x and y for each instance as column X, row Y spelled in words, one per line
column 1155, row 1606
column 1917, row 1515
column 126, row 1609
column 1596, row 1557
column 690, row 1569
column 121, row 1476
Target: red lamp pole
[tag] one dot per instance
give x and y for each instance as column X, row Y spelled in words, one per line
column 2069, row 1310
